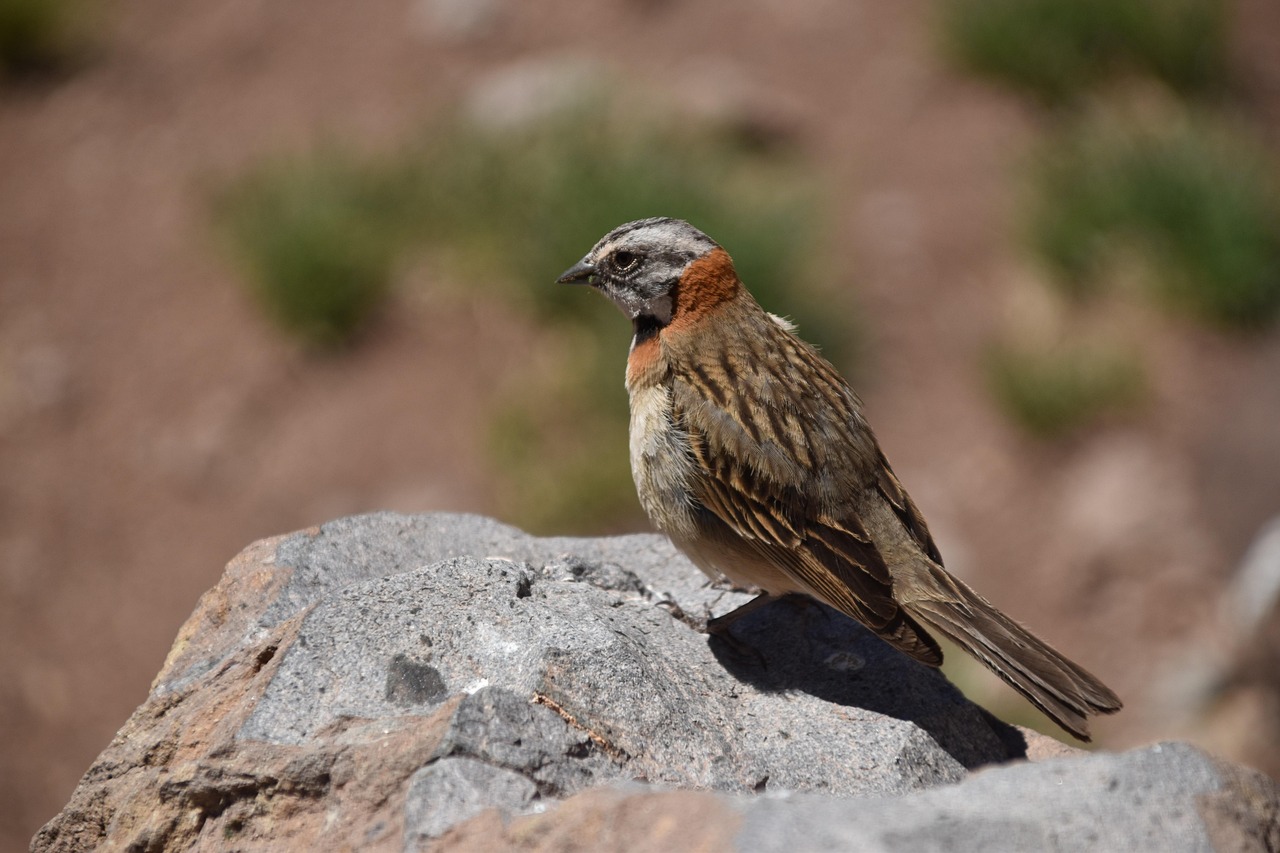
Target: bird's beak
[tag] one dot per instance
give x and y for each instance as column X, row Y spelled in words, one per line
column 580, row 273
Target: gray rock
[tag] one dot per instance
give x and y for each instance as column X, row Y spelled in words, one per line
column 452, row 790
column 457, row 20
column 523, row 93
column 1169, row 797
column 1254, row 591
column 505, row 730
column 820, row 705
column 1151, row 799
column 383, row 682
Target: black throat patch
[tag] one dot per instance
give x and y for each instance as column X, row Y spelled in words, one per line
column 646, row 326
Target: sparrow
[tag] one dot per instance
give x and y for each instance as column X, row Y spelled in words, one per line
column 751, row 452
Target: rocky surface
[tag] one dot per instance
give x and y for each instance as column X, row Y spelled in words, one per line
column 1166, row 797
column 388, row 682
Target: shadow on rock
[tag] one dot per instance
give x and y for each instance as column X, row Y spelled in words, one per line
column 798, row 644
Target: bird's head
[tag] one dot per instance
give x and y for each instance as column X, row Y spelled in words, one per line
column 640, row 266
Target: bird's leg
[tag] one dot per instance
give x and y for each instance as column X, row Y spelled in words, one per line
column 724, row 585
column 720, row 625
column 719, row 628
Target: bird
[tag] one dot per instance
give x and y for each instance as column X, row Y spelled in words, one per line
column 753, row 455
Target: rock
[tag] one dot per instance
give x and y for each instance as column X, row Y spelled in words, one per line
column 1236, row 687
column 386, row 681
column 451, row 790
column 1254, row 591
column 1165, row 797
column 457, row 20
column 731, row 97
column 528, row 91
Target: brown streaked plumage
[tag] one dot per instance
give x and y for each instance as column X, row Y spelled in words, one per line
column 751, row 452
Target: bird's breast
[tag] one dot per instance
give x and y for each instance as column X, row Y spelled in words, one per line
column 661, row 463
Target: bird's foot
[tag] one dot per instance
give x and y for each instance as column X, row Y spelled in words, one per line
column 723, row 584
column 681, row 615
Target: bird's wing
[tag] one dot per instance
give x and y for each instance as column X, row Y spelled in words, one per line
column 784, row 463
column 912, row 519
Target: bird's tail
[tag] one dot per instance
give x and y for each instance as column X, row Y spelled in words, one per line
column 1061, row 689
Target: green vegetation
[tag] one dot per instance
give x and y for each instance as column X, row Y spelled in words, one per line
column 1055, row 50
column 509, row 211
column 522, row 205
column 318, row 238
column 1184, row 193
column 1189, row 198
column 1056, row 391
column 40, row 35
column 1135, row 186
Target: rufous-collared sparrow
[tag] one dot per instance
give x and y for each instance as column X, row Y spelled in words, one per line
column 751, row 452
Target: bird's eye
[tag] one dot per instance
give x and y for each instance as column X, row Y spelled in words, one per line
column 626, row 261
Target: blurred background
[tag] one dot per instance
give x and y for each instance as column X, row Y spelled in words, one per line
column 263, row 264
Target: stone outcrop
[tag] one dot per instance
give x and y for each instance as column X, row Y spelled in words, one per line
column 391, row 682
